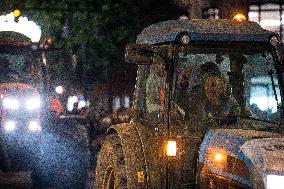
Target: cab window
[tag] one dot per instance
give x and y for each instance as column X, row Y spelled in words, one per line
column 151, row 94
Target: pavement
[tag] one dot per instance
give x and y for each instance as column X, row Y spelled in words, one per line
column 11, row 180
column 63, row 152
column 22, row 180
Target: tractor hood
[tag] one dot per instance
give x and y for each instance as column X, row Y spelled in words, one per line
column 231, row 140
column 253, row 148
column 266, row 154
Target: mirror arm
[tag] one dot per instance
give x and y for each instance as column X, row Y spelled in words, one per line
column 166, row 59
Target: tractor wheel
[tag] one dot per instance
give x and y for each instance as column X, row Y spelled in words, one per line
column 110, row 170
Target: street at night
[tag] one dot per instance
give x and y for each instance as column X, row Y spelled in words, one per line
column 15, row 180
column 170, row 94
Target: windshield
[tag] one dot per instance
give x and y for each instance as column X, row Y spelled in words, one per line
column 220, row 82
column 20, row 66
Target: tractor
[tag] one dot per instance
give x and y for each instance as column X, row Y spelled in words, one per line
column 207, row 110
column 34, row 138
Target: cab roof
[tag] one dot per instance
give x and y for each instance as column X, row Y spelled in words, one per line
column 204, row 30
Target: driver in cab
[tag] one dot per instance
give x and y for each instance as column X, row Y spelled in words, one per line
column 211, row 99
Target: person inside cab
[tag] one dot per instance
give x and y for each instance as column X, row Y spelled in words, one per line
column 213, row 95
column 210, row 100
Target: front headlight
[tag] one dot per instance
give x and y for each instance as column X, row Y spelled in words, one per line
column 11, row 103
column 217, row 158
column 34, row 126
column 221, row 160
column 275, row 182
column 10, row 125
column 33, row 103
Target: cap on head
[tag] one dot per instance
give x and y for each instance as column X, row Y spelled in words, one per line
column 210, row 68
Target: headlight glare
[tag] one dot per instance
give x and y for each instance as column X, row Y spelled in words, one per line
column 220, row 157
column 33, row 103
column 34, row 126
column 275, row 182
column 11, row 103
column 217, row 158
column 10, row 125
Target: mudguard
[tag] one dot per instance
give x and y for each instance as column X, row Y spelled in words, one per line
column 133, row 154
column 146, row 163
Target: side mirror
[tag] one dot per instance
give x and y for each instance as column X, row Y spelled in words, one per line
column 139, row 54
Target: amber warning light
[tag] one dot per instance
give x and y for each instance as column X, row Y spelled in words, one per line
column 16, row 13
column 239, row 18
column 171, row 148
column 219, row 157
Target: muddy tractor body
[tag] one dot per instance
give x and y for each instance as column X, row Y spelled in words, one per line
column 186, row 130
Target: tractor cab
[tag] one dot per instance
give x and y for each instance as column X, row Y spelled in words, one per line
column 189, row 75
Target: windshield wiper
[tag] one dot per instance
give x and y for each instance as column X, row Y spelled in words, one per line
column 267, row 128
column 257, row 119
